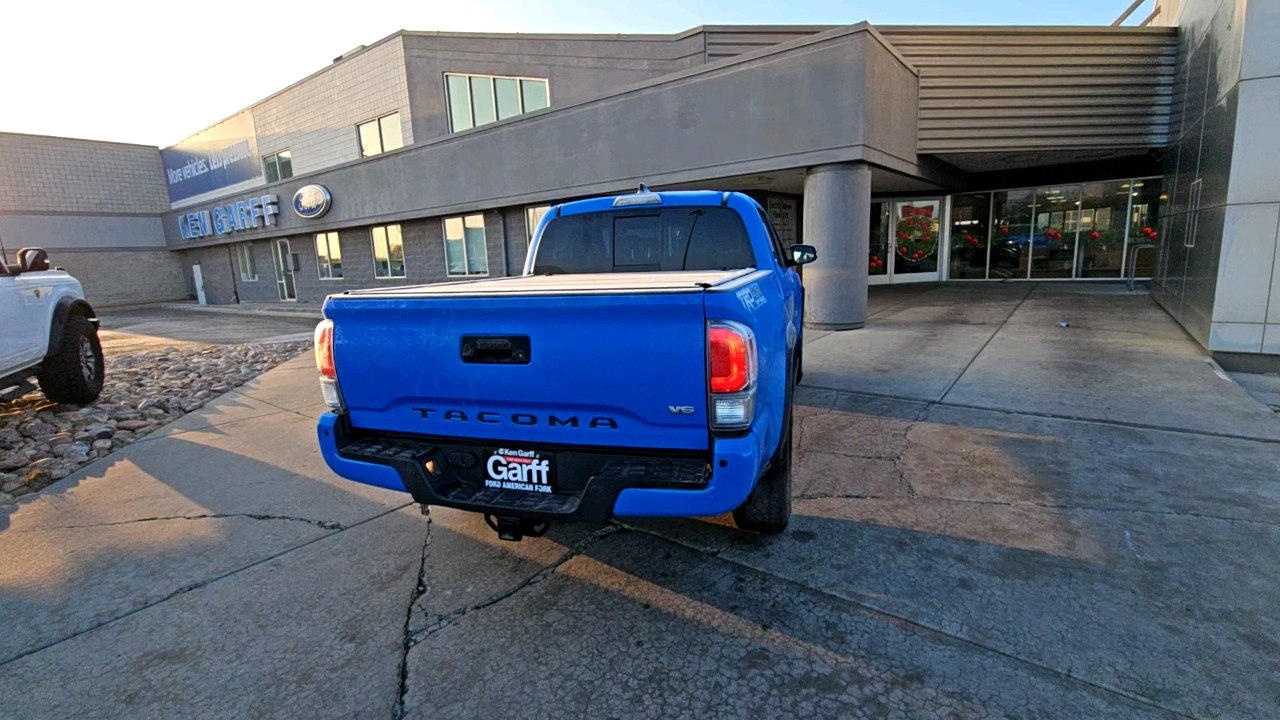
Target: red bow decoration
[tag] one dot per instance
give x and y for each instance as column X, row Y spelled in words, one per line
column 924, row 211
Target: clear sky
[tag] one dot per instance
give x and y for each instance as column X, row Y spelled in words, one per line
column 155, row 72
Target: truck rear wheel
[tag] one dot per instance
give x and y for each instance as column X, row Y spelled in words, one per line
column 74, row 373
column 767, row 509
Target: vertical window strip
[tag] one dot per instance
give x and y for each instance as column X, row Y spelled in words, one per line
column 388, row 252
column 466, row 250
column 248, row 268
column 328, row 256
column 395, row 251
column 381, row 262
column 459, row 102
column 389, row 128
column 454, row 250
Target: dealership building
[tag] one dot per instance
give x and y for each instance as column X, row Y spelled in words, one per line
column 904, row 153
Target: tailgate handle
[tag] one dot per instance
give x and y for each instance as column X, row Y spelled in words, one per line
column 508, row 349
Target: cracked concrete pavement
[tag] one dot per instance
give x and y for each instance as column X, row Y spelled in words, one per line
column 994, row 517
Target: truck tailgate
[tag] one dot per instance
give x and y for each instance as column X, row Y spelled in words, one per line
column 608, row 370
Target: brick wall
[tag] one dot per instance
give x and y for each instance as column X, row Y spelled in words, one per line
column 51, row 174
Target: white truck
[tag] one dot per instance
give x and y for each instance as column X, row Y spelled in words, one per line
column 47, row 331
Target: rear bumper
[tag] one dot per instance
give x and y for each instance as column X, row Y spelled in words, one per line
column 397, row 465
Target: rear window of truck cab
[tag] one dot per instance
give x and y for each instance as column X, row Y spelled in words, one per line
column 645, row 240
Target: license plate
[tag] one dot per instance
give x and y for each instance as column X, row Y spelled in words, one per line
column 519, row 469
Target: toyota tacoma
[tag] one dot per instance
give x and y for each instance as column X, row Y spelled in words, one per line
column 643, row 365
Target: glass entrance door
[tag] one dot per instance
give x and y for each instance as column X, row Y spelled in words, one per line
column 285, row 286
column 905, row 241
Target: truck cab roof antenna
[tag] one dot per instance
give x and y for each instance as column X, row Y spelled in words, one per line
column 643, row 189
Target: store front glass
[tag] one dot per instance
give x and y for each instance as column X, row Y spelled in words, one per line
column 1102, row 231
column 906, row 241
column 915, row 237
column 1144, row 221
column 1011, row 233
column 1077, row 231
column 970, row 236
column 878, row 264
column 1053, row 248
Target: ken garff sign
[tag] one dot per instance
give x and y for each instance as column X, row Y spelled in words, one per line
column 312, row 201
column 225, row 219
column 223, row 155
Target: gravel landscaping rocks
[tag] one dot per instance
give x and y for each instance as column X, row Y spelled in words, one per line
column 42, row 442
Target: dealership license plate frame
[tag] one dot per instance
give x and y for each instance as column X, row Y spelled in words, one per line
column 516, row 456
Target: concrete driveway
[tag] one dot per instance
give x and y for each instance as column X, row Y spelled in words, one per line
column 995, row 517
column 136, row 329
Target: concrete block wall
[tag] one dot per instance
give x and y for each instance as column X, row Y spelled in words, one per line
column 114, row 277
column 216, row 269
column 260, row 290
column 41, row 174
column 316, row 118
column 95, row 206
column 515, row 225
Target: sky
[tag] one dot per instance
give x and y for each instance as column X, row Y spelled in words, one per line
column 156, row 72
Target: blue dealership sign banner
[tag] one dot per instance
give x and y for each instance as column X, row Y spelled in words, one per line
column 223, row 155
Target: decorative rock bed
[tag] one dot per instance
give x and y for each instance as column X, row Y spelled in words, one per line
column 42, row 442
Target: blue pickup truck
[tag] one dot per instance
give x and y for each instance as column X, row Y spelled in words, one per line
column 643, row 365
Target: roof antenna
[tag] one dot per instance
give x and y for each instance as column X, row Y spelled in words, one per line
column 643, row 189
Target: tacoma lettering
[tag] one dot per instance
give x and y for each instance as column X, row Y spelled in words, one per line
column 492, row 417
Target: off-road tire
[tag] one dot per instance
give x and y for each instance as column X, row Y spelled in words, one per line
column 74, row 373
column 767, row 509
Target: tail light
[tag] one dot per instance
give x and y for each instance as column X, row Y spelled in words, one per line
column 324, row 364
column 732, row 377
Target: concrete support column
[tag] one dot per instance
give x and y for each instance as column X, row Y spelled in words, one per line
column 837, row 220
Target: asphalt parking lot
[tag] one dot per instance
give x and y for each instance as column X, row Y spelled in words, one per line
column 994, row 517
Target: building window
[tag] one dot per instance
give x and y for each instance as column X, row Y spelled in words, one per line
column 970, row 236
column 476, row 100
column 464, row 246
column 279, row 166
column 388, row 252
column 1067, row 231
column 244, row 257
column 380, row 135
column 533, row 216
column 329, row 256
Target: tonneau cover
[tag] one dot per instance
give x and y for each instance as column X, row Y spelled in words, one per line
column 588, row 284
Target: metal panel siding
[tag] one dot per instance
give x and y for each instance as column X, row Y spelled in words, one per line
column 985, row 89
column 994, row 89
column 724, row 43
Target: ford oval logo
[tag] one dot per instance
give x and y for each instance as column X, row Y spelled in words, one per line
column 312, row 201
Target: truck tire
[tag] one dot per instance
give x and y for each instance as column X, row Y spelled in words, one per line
column 73, row 373
column 767, row 509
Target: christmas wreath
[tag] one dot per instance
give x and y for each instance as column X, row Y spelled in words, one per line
column 916, row 236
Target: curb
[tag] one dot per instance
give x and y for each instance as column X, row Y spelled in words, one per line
column 307, row 313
